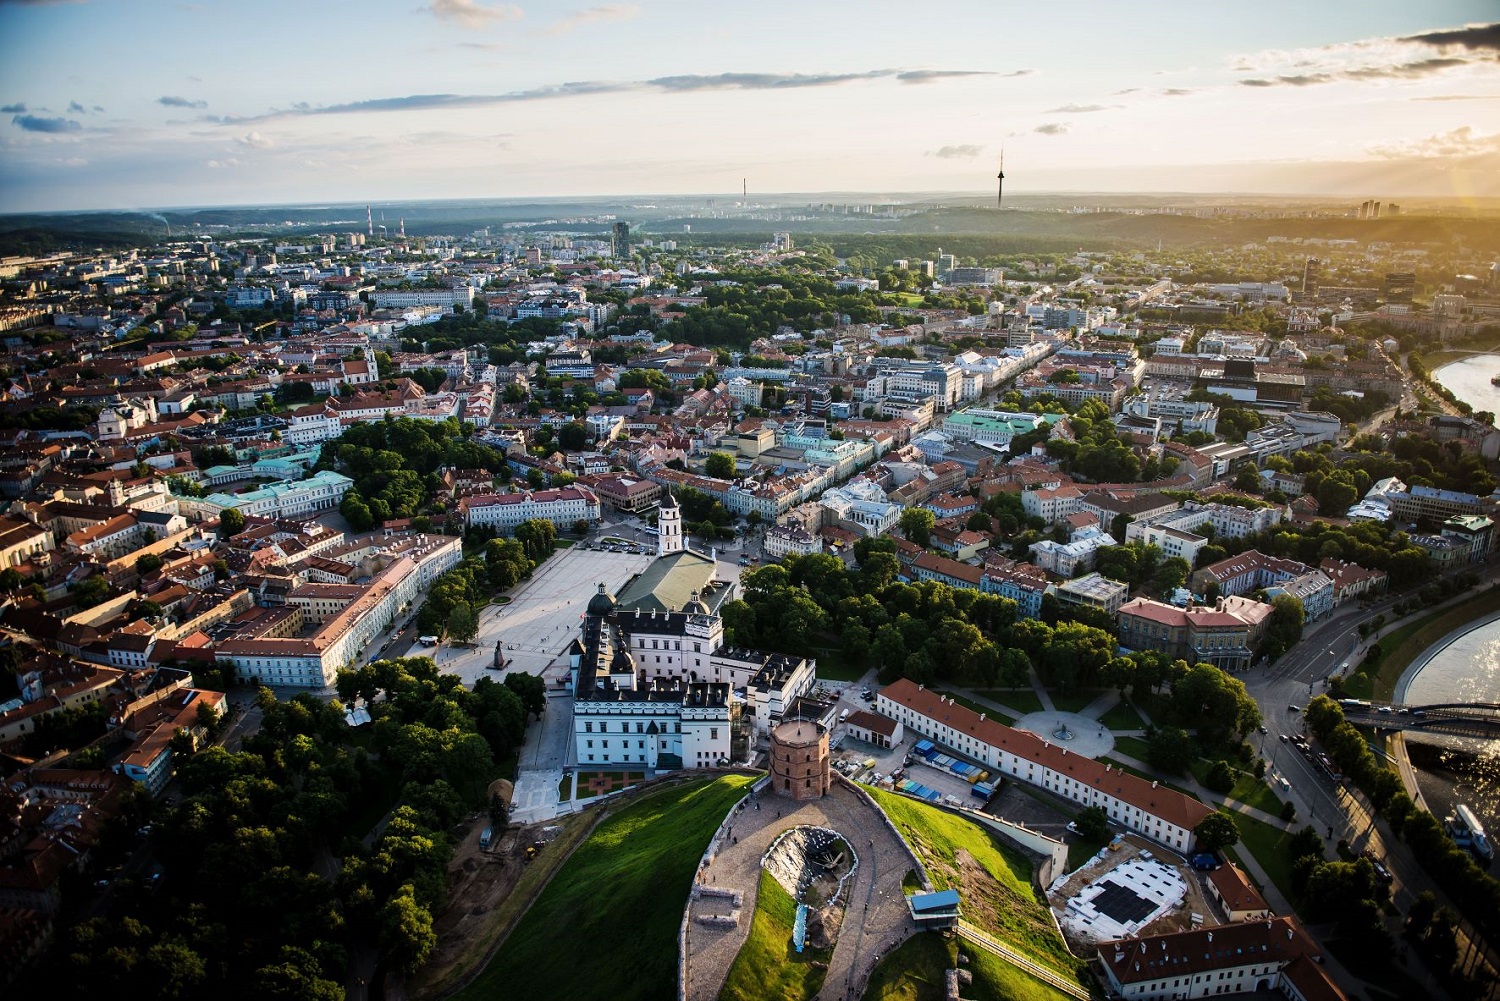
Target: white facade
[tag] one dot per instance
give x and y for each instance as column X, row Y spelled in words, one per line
column 504, row 512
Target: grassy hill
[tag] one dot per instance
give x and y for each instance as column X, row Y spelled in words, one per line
column 606, row 926
column 992, row 878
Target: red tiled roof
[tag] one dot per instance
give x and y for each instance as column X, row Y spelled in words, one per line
column 1170, row 805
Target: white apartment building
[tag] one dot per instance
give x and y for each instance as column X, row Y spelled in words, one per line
column 503, row 512
column 1052, row 505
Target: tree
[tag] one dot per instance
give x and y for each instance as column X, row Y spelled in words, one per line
column 1170, row 749
column 1305, row 842
column 148, row 564
column 231, row 523
column 917, row 524
column 574, row 436
column 1283, row 626
column 1220, row 777
column 463, row 624
column 531, row 689
column 406, row 934
column 1093, row 823
column 1216, row 831
column 719, row 465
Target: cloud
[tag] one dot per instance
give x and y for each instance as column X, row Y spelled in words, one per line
column 683, row 84
column 1176, row 92
column 473, row 14
column 592, row 15
column 222, row 164
column 1444, row 97
column 1019, row 73
column 1474, row 37
column 1051, row 129
column 931, row 76
column 74, row 108
column 1461, row 141
column 1080, row 109
column 31, row 123
column 172, row 101
column 762, row 81
column 1414, row 70
column 19, row 108
column 956, row 152
column 1127, row 90
column 1294, row 80
column 254, row 140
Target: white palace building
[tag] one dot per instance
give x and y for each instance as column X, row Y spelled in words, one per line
column 655, row 687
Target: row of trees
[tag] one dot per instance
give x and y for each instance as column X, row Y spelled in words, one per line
column 1476, row 894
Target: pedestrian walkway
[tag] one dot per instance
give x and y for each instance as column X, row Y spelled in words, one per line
column 1041, row 691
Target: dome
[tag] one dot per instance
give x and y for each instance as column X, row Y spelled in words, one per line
column 695, row 606
column 622, row 663
column 601, row 604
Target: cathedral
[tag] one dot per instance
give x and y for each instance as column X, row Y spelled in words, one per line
column 655, row 687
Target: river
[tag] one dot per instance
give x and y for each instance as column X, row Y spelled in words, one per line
column 1469, row 379
column 1468, row 670
column 1452, row 769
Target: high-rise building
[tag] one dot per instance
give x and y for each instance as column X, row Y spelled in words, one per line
column 1400, row 286
column 1312, row 270
column 619, row 239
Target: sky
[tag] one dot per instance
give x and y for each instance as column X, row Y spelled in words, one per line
column 125, row 104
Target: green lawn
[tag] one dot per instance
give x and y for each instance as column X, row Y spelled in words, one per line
column 564, row 543
column 565, row 789
column 832, row 666
column 1022, row 700
column 978, row 707
column 768, row 965
column 1003, row 904
column 1122, row 717
column 606, row 927
column 914, row 972
column 1133, row 747
column 1269, row 846
column 1254, row 792
column 997, row 980
column 1073, row 702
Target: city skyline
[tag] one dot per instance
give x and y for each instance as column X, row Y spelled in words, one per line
column 191, row 104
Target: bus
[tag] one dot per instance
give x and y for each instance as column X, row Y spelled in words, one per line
column 427, row 640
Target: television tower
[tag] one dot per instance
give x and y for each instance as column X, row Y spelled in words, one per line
column 1000, row 180
column 369, row 221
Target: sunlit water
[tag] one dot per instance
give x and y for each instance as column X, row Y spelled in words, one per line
column 1469, row 379
column 1467, row 670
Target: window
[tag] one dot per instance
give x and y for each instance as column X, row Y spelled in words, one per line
column 713, row 733
column 588, row 728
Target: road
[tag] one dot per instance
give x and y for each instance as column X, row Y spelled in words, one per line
column 1335, row 810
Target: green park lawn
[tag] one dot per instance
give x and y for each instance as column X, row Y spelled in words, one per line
column 1133, row 747
column 1004, row 904
column 637, row 868
column 1269, row 846
column 1075, row 701
column 1254, row 792
column 1022, row 700
column 1122, row 717
column 914, row 972
column 832, row 665
column 768, row 967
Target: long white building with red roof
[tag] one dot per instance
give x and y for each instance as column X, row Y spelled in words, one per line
column 503, row 512
column 1144, row 806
